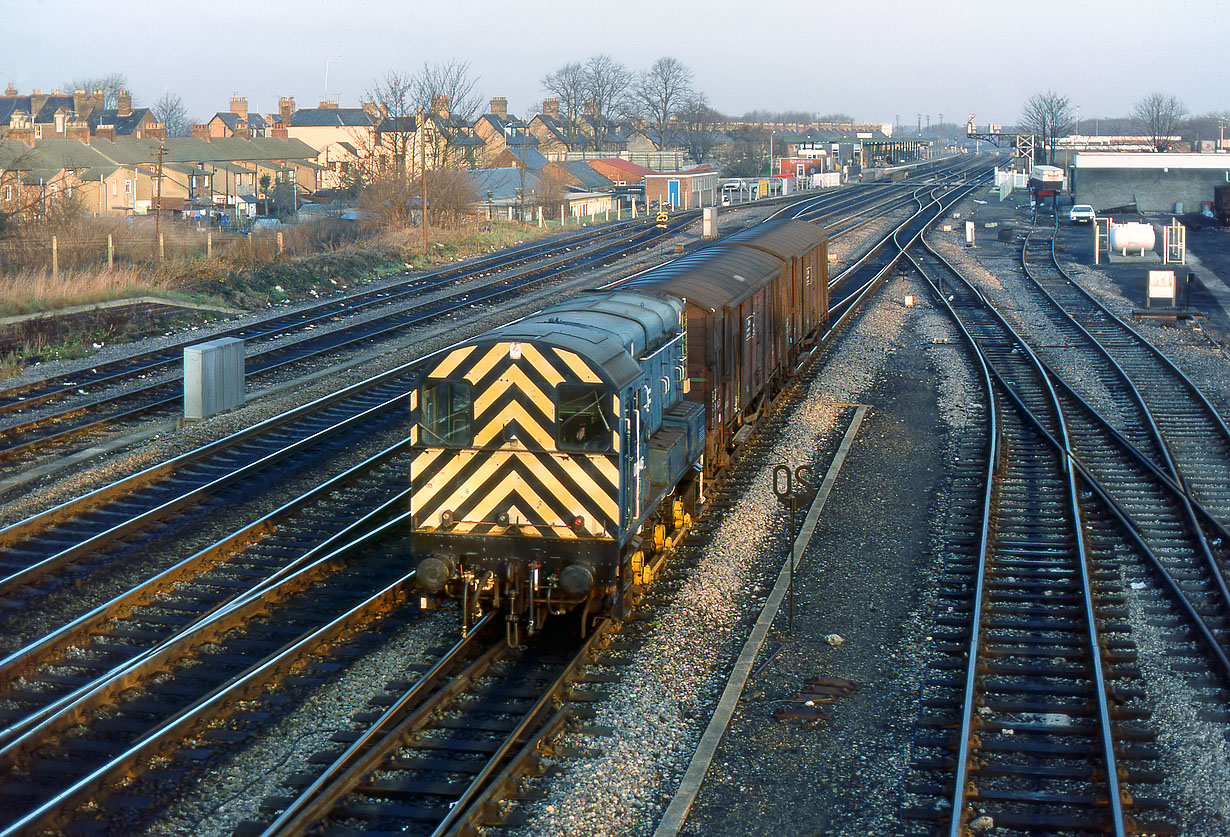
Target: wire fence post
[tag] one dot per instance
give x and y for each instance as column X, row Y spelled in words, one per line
column 110, row 252
column 280, row 247
column 55, row 258
column 209, row 245
column 162, row 250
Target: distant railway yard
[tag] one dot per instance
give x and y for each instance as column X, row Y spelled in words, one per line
column 883, row 511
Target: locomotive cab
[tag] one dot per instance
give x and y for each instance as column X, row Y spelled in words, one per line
column 542, row 449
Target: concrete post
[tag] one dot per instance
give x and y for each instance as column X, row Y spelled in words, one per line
column 110, row 251
column 209, row 245
column 55, row 258
column 280, row 247
column 162, row 249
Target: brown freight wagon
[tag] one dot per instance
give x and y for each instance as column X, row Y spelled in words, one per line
column 754, row 303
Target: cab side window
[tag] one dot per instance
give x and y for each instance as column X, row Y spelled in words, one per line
column 446, row 414
column 584, row 415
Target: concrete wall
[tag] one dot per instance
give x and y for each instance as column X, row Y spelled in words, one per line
column 1154, row 190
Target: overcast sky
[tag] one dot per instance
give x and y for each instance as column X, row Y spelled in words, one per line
column 874, row 59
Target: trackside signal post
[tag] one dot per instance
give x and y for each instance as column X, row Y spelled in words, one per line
column 789, row 486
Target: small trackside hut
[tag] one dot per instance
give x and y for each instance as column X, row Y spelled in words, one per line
column 545, row 450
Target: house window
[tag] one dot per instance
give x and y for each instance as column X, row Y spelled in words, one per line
column 38, row 131
column 51, row 190
column 115, row 187
column 8, row 193
column 127, row 187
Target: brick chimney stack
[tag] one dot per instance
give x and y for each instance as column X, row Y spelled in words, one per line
column 439, row 105
column 10, row 91
column 550, row 107
column 499, row 106
column 239, row 105
column 286, row 108
column 123, row 103
column 200, row 130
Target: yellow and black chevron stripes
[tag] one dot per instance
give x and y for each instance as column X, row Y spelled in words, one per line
column 500, row 356
column 533, row 489
column 514, row 391
column 578, row 367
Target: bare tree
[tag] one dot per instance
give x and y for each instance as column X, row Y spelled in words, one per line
column 607, row 83
column 110, row 84
column 1049, row 116
column 173, row 114
column 568, row 86
column 393, row 106
column 451, row 79
column 697, row 123
column 1159, row 117
column 837, row 118
column 385, row 170
column 15, row 158
column 660, row 91
column 448, row 82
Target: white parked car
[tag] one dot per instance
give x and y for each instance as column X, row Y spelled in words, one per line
column 1082, row 213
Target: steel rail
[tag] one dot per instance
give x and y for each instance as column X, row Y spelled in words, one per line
column 204, row 630
column 151, row 361
column 960, row 800
column 1131, row 526
column 148, row 593
column 1205, row 410
column 56, row 812
column 427, row 696
column 12, row 445
column 100, row 540
column 163, row 734
column 71, row 510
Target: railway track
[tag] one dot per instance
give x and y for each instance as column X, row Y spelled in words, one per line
column 163, row 397
column 232, row 670
column 78, row 684
column 448, row 749
column 105, row 396
column 1191, row 439
column 67, row 541
column 1036, row 664
column 24, row 396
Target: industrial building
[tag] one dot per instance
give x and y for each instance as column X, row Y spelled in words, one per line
column 1150, row 182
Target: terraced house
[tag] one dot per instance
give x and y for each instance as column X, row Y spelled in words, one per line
column 121, row 176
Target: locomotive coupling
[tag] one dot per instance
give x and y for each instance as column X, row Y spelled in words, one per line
column 433, row 572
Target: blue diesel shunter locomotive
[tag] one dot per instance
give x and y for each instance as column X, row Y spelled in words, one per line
column 555, row 459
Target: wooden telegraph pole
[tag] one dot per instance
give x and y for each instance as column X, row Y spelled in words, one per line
column 422, row 132
column 162, row 150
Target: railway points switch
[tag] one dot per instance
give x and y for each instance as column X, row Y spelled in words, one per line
column 213, row 377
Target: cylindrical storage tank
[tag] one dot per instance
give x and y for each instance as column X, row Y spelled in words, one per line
column 1133, row 236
